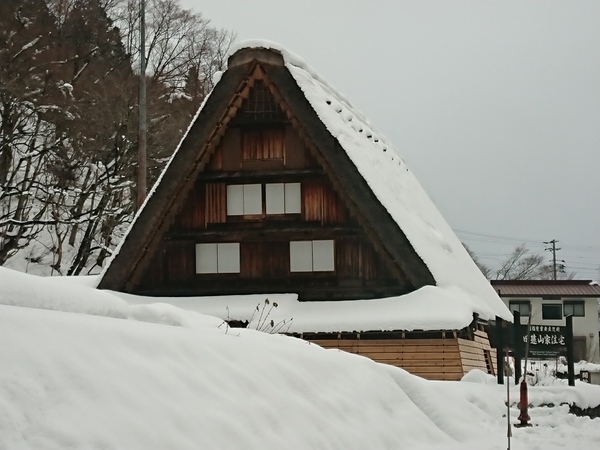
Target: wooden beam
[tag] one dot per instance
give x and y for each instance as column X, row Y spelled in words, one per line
column 227, row 286
column 245, row 231
column 263, row 175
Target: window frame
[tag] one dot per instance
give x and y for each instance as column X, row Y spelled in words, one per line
column 216, row 258
column 242, row 200
column 259, row 200
column 305, row 259
column 520, row 303
column 283, row 198
column 547, row 306
column 573, row 304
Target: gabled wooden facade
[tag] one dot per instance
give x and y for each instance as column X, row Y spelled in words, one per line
column 261, row 197
column 259, row 181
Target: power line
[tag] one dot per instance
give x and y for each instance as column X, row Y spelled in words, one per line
column 577, row 246
column 490, row 236
column 583, row 256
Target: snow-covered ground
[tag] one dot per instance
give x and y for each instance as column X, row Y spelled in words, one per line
column 83, row 369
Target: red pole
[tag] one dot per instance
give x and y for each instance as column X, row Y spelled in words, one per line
column 524, row 405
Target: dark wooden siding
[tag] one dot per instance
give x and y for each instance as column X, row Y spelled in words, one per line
column 252, row 151
column 265, row 268
column 263, row 144
column 215, row 203
column 192, row 215
column 260, row 148
column 181, row 261
column 206, row 204
column 260, row 259
column 356, row 259
column 296, row 154
column 321, row 204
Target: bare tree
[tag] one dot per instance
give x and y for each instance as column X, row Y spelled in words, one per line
column 523, row 265
column 485, row 270
column 179, row 42
column 68, row 120
column 183, row 53
column 27, row 92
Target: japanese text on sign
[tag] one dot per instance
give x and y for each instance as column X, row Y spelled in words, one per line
column 546, row 335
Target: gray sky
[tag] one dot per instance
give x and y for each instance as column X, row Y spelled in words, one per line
column 494, row 105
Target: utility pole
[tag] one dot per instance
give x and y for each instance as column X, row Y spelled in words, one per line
column 553, row 250
column 141, row 156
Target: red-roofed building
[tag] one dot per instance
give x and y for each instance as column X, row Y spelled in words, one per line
column 549, row 302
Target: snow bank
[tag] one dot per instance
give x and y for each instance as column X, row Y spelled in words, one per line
column 83, row 369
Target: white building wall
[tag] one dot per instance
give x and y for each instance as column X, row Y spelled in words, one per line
column 587, row 326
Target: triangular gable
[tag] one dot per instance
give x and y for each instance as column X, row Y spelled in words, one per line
column 364, row 170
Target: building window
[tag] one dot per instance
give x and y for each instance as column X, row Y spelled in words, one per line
column 551, row 311
column 280, row 198
column 283, row 198
column 244, row 199
column 574, row 308
column 218, row 258
column 523, row 307
column 312, row 256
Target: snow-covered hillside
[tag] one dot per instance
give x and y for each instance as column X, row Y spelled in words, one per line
column 81, row 368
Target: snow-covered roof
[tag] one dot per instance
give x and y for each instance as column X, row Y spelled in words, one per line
column 395, row 186
column 459, row 282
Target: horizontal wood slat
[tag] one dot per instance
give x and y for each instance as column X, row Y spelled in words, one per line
column 477, row 354
column 440, row 359
column 388, row 342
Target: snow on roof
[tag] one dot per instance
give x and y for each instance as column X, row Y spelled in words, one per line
column 460, row 284
column 427, row 309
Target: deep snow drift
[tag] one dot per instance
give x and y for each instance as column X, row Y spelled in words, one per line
column 83, row 368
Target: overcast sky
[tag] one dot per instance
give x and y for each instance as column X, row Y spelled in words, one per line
column 494, row 105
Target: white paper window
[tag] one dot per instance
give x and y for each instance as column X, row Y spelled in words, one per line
column 218, row 258
column 228, row 258
column 275, row 198
column 312, row 256
column 244, row 199
column 252, row 199
column 301, row 256
column 323, row 259
column 293, row 198
column 283, row 198
column 235, row 200
column 206, row 258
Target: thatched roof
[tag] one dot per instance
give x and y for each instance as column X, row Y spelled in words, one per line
column 392, row 206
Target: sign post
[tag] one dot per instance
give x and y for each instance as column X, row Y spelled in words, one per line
column 570, row 352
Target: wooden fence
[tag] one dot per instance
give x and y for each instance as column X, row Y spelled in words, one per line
column 435, row 359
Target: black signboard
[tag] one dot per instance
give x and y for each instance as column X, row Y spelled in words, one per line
column 545, row 340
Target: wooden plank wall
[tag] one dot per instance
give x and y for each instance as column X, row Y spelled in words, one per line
column 320, row 203
column 434, row 359
column 478, row 354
